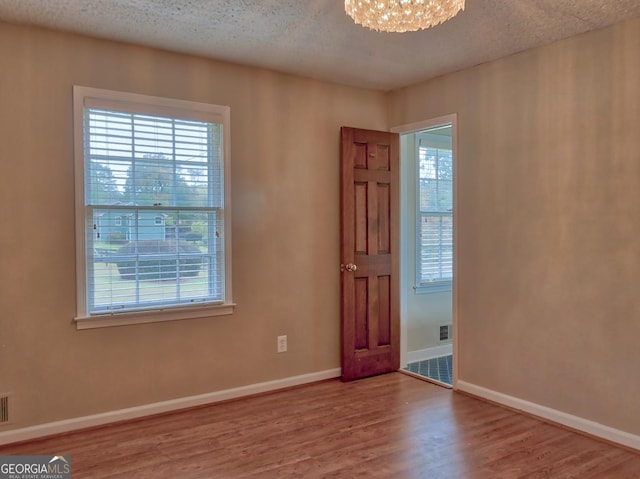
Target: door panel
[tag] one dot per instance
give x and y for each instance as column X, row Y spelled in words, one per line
column 384, row 313
column 384, row 214
column 370, row 236
column 361, row 218
column 361, row 314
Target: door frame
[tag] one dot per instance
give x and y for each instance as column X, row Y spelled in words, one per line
column 406, row 256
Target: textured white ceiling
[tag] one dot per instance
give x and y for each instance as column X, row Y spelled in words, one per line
column 315, row 38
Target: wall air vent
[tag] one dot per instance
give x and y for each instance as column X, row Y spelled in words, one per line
column 4, row 409
column 445, row 332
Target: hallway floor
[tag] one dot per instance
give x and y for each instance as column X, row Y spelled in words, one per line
column 439, row 369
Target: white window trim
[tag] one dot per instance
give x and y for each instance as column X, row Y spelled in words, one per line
column 153, row 316
column 192, row 110
column 435, row 287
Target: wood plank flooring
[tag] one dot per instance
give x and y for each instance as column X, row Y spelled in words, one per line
column 391, row 426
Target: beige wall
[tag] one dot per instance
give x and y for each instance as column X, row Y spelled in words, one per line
column 548, row 201
column 548, row 221
column 285, row 194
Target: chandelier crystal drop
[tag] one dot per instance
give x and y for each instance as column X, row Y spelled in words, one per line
column 402, row 15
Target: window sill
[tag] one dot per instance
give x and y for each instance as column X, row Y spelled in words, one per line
column 152, row 316
column 435, row 288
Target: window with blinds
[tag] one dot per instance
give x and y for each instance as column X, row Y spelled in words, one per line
column 434, row 265
column 151, row 203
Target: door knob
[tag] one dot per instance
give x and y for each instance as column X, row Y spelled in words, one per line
column 350, row 267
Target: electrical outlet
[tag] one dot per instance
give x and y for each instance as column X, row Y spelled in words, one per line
column 282, row 344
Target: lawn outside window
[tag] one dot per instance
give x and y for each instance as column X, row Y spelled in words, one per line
column 152, row 209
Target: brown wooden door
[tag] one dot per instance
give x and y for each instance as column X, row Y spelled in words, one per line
column 369, row 252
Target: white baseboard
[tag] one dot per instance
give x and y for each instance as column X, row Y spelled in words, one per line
column 67, row 425
column 573, row 422
column 429, row 353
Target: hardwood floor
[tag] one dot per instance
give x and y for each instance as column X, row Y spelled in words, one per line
column 391, row 426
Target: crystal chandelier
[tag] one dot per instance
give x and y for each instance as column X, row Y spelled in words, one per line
column 402, row 15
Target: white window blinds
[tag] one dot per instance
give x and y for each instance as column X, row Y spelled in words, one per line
column 153, row 205
column 435, row 206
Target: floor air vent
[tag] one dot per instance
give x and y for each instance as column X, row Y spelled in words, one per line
column 4, row 409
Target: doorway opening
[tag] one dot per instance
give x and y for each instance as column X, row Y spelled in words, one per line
column 427, row 185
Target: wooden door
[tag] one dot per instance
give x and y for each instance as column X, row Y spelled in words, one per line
column 369, row 252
